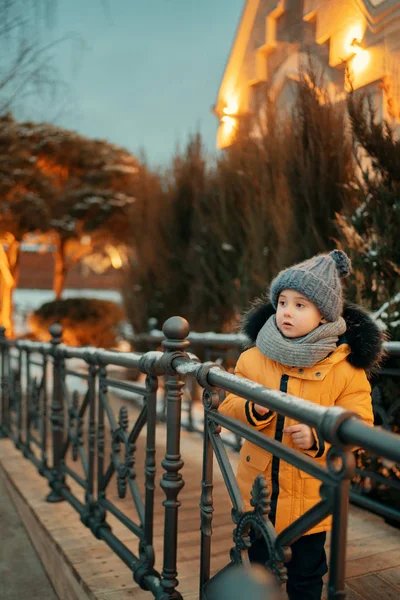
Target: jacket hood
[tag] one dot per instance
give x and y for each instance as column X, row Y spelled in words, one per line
column 362, row 335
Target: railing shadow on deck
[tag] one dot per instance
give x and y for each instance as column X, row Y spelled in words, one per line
column 31, row 405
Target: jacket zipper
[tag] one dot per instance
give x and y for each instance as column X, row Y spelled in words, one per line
column 280, row 424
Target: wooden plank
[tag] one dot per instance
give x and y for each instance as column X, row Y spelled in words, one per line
column 373, row 546
column 350, row 594
column 66, row 583
column 365, row 546
column 372, row 587
column 126, row 594
column 391, row 576
column 373, row 563
column 21, row 571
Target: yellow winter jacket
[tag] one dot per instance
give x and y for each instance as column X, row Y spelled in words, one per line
column 333, row 381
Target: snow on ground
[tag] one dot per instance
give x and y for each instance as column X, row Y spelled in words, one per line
column 28, row 300
column 31, row 298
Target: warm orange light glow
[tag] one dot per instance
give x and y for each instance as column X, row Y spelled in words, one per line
column 360, row 60
column 115, row 257
column 226, row 132
column 232, row 107
column 353, row 39
column 53, row 169
column 229, row 123
column 18, row 189
column 85, row 240
column 228, row 129
column 359, row 56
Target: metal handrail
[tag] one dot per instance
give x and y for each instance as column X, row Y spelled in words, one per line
column 25, row 413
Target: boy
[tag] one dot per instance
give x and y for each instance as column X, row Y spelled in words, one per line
column 313, row 349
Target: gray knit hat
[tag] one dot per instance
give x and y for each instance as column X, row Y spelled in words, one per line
column 318, row 279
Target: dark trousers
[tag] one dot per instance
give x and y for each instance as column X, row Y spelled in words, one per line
column 305, row 569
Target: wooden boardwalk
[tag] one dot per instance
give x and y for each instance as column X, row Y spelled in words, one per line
column 81, row 567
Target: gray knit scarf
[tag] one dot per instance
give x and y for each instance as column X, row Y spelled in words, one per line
column 305, row 351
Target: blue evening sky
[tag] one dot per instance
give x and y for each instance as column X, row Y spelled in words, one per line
column 147, row 71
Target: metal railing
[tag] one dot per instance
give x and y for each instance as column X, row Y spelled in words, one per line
column 376, row 485
column 29, row 403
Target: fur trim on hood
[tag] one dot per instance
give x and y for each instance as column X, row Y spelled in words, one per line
column 362, row 335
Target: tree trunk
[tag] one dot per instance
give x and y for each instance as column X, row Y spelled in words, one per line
column 9, row 268
column 60, row 268
column 6, row 309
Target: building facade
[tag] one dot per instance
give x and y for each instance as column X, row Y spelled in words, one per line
column 276, row 37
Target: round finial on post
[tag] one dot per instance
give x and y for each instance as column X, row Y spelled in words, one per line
column 176, row 330
column 56, row 331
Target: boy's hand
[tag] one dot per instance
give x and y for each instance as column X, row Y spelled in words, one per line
column 302, row 435
column 261, row 409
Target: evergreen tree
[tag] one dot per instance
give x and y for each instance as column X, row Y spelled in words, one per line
column 73, row 192
column 319, row 165
column 370, row 233
column 220, row 232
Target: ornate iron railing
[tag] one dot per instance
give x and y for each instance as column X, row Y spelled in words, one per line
column 224, row 349
column 376, row 485
column 84, row 430
column 79, row 414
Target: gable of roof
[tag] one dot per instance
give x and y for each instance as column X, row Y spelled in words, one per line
column 377, row 13
column 237, row 55
column 352, row 30
column 229, row 84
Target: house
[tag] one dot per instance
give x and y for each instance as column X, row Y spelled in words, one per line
column 275, row 37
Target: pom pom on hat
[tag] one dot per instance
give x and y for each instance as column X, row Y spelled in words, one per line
column 343, row 263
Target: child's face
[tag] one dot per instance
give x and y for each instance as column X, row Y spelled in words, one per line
column 296, row 315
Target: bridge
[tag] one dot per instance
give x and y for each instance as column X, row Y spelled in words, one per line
column 118, row 497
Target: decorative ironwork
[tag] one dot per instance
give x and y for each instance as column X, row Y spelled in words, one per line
column 260, row 496
column 92, row 414
column 94, row 517
column 376, row 485
column 175, row 330
column 126, row 469
column 150, row 466
column 57, row 477
column 35, row 403
column 16, row 406
column 75, row 426
column 256, row 522
column 4, row 406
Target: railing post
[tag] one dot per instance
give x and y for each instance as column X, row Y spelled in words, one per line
column 4, row 385
column 28, row 406
column 44, row 413
column 150, row 464
column 92, row 433
column 17, row 396
column 211, row 400
column 57, row 477
column 337, row 566
column 175, row 330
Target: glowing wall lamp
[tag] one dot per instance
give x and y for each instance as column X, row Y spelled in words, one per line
column 359, row 56
column 229, row 124
column 232, row 107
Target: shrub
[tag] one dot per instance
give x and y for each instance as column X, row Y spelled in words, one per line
column 85, row 321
